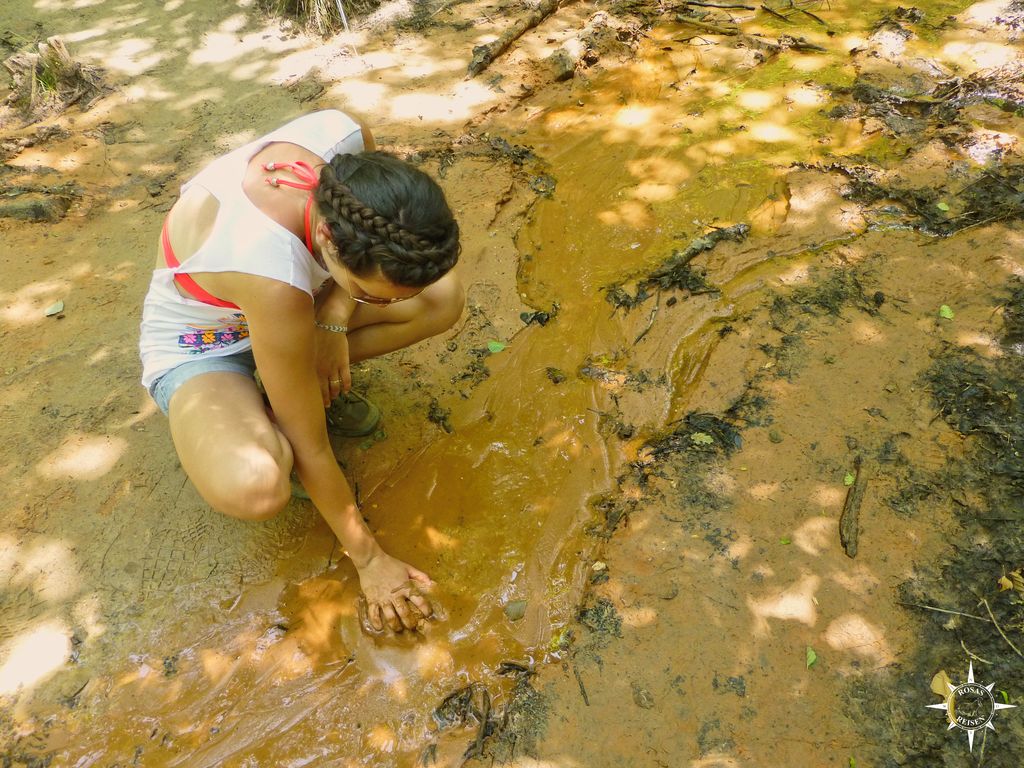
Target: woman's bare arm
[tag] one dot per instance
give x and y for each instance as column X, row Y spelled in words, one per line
column 281, row 322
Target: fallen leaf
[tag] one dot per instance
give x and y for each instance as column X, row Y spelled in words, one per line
column 1005, row 584
column 785, row 541
column 848, row 478
column 515, row 610
column 55, row 309
column 941, row 684
column 702, row 438
column 946, row 312
column 942, row 206
column 495, row 346
column 811, row 657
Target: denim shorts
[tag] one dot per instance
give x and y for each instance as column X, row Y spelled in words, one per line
column 163, row 388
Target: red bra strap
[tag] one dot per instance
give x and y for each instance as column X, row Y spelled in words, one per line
column 302, row 170
column 187, row 284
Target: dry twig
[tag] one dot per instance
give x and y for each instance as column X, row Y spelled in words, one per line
column 992, row 616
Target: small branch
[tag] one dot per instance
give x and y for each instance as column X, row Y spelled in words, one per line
column 849, row 528
column 713, row 29
column 992, row 616
column 484, row 55
column 974, row 656
column 579, row 680
column 816, row 18
column 716, row 5
column 776, row 14
column 650, row 322
column 943, row 610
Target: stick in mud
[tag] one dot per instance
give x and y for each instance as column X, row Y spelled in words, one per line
column 716, row 5
column 775, row 13
column 848, row 520
column 579, row 680
column 483, row 55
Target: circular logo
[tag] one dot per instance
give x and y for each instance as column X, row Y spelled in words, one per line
column 971, row 706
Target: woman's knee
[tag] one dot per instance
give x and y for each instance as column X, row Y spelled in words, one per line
column 257, row 487
column 446, row 303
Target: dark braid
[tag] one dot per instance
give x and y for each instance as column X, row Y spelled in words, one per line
column 386, row 215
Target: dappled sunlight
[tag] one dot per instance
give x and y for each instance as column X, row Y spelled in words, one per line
column 131, row 57
column 861, row 581
column 852, row 632
column 82, row 457
column 222, row 47
column 630, row 213
column 740, row 548
column 756, row 100
column 48, row 568
column 764, row 491
column 716, row 760
column 793, row 604
column 440, row 106
column 722, row 482
column 66, row 5
column 439, row 540
column 983, row 342
column 772, row 133
column 816, row 535
column 638, row 616
column 980, row 54
column 807, row 96
column 654, row 193
column 434, row 660
column 382, row 738
column 499, row 510
column 829, row 496
column 796, row 274
column 369, row 96
column 33, row 655
column 28, row 305
column 867, row 332
column 633, row 116
column 218, row 666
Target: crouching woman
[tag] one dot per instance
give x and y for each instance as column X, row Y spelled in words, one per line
column 296, row 254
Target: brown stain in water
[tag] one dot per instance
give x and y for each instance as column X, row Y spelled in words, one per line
column 495, row 512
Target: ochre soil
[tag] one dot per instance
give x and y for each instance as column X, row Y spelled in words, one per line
column 672, row 600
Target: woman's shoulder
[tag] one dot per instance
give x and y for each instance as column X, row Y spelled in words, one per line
column 326, row 133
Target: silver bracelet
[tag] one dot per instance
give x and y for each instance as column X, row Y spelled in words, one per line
column 332, row 328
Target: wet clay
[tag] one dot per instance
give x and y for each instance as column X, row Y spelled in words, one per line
column 631, row 508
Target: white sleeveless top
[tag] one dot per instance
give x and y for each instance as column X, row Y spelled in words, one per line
column 176, row 329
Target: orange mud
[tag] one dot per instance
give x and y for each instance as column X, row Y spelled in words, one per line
column 140, row 628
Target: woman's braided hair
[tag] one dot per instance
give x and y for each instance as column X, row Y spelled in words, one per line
column 386, row 215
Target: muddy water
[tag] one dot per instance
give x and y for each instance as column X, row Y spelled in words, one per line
column 646, row 159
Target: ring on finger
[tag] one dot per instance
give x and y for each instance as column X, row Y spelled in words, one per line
column 334, row 381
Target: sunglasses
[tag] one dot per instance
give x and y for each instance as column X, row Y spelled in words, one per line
column 360, row 297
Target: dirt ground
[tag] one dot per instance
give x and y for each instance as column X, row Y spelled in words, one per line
column 720, row 468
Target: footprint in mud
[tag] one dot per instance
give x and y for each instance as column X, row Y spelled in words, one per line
column 204, row 546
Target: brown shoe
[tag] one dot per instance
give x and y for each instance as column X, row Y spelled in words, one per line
column 352, row 415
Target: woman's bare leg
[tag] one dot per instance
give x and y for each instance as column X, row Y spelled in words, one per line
column 238, row 459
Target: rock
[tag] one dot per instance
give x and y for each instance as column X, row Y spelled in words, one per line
column 563, row 65
column 642, row 697
column 34, row 207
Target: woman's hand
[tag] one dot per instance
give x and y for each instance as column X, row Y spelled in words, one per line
column 392, row 592
column 332, row 367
